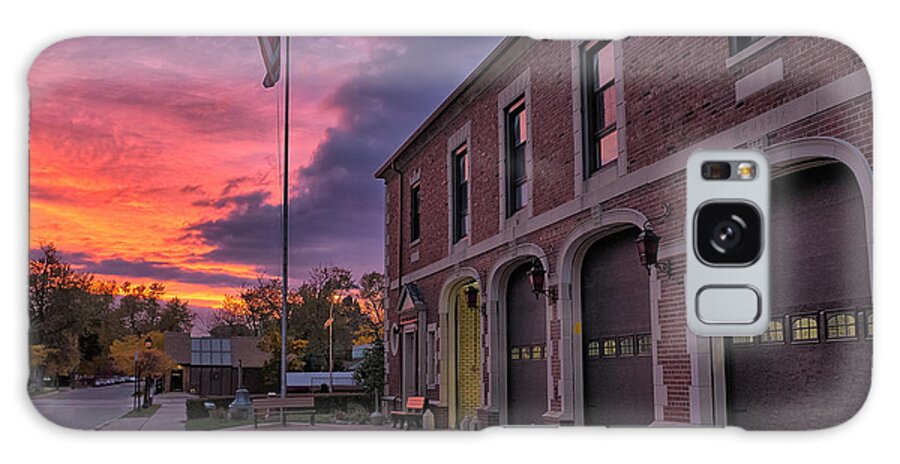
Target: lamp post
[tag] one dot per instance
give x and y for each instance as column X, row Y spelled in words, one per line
column 536, row 277
column 648, row 246
column 330, row 323
column 148, row 344
column 136, row 402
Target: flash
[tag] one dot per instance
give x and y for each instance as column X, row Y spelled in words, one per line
column 746, row 170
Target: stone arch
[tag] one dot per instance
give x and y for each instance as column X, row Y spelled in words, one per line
column 571, row 256
column 447, row 338
column 496, row 321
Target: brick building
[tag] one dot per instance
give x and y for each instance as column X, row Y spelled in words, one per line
column 210, row 366
column 554, row 155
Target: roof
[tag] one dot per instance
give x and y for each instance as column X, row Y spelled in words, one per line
column 480, row 70
column 178, row 346
column 411, row 302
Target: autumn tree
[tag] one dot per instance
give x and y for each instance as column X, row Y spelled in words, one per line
column 371, row 303
column 151, row 361
column 143, row 311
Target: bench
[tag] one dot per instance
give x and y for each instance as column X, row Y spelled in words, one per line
column 415, row 408
column 263, row 407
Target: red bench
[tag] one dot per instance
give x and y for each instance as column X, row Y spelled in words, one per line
column 412, row 416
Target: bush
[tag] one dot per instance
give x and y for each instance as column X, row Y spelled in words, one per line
column 333, row 404
column 197, row 410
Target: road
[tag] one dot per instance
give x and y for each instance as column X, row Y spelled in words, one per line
column 86, row 408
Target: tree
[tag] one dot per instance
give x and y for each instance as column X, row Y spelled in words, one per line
column 270, row 342
column 370, row 372
column 142, row 311
column 371, row 303
column 308, row 322
column 153, row 361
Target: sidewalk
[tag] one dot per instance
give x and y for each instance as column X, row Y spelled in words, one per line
column 171, row 415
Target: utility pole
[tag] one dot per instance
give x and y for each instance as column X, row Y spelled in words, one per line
column 285, row 216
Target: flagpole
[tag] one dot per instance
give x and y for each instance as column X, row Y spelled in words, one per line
column 284, row 216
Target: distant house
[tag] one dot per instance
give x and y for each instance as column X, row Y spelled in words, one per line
column 209, row 366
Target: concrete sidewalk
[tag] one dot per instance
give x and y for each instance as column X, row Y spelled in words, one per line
column 171, row 415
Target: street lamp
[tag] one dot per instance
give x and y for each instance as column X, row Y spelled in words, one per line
column 648, row 246
column 471, row 296
column 148, row 344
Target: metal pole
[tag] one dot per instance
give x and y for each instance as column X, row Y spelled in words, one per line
column 284, row 216
column 330, row 344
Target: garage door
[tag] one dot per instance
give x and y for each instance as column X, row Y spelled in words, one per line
column 526, row 336
column 811, row 369
column 615, row 302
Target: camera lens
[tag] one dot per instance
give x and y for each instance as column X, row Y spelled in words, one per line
column 728, row 233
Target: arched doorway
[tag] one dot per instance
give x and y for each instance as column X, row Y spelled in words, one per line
column 526, row 350
column 463, row 353
column 811, row 369
column 616, row 342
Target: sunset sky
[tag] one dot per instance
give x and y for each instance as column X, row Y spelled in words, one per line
column 156, row 159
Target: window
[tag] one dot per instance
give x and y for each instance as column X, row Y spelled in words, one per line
column 537, row 352
column 738, row 44
column 514, row 353
column 602, row 137
column 414, row 215
column 840, row 326
column 517, row 138
column 804, row 329
column 525, row 353
column 593, row 349
column 210, row 352
column 774, row 333
column 626, row 346
column 460, row 192
column 430, row 356
column 739, row 340
column 609, row 347
column 869, row 326
column 645, row 345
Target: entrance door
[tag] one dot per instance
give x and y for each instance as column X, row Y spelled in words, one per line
column 468, row 365
column 526, row 351
column 410, row 351
column 176, row 381
column 617, row 348
column 811, row 369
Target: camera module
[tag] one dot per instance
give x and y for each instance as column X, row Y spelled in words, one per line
column 728, row 233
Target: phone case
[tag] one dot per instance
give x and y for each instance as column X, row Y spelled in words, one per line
column 521, row 200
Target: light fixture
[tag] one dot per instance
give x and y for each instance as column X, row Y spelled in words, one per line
column 536, row 277
column 148, row 342
column 471, row 296
column 648, row 246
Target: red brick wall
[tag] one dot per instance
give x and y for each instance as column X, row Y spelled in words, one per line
column 678, row 92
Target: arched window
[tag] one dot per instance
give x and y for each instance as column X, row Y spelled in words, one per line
column 774, row 333
column 514, row 353
column 645, row 345
column 537, row 352
column 626, row 346
column 739, row 340
column 804, row 329
column 593, row 349
column 609, row 347
column 869, row 324
column 840, row 326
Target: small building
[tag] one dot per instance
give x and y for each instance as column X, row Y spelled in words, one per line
column 209, row 366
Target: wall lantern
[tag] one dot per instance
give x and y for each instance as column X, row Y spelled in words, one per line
column 148, row 343
column 537, row 278
column 648, row 247
column 471, row 297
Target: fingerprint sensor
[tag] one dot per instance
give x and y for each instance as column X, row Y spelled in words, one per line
column 726, row 304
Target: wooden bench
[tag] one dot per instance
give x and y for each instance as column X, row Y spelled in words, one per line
column 263, row 407
column 415, row 408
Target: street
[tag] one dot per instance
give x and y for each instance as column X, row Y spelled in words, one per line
column 86, row 408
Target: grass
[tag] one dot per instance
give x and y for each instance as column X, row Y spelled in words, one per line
column 143, row 412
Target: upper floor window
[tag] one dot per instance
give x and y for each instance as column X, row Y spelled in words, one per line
column 517, row 137
column 603, row 141
column 460, row 192
column 738, row 44
column 210, row 352
column 414, row 214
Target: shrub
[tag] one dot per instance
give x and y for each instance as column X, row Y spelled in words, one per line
column 197, row 410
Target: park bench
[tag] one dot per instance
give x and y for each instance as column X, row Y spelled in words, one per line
column 264, row 407
column 415, row 408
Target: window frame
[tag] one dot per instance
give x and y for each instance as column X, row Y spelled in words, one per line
column 867, row 315
column 513, row 151
column 615, row 347
column 631, row 344
column 593, row 102
column 763, row 336
column 734, row 47
column 812, row 316
column 746, row 341
column 415, row 213
column 834, row 314
column 637, row 343
column 461, row 209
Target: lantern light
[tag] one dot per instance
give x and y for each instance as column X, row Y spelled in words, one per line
column 537, row 278
column 471, row 297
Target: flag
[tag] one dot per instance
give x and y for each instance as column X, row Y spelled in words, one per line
column 329, row 322
column 271, row 53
